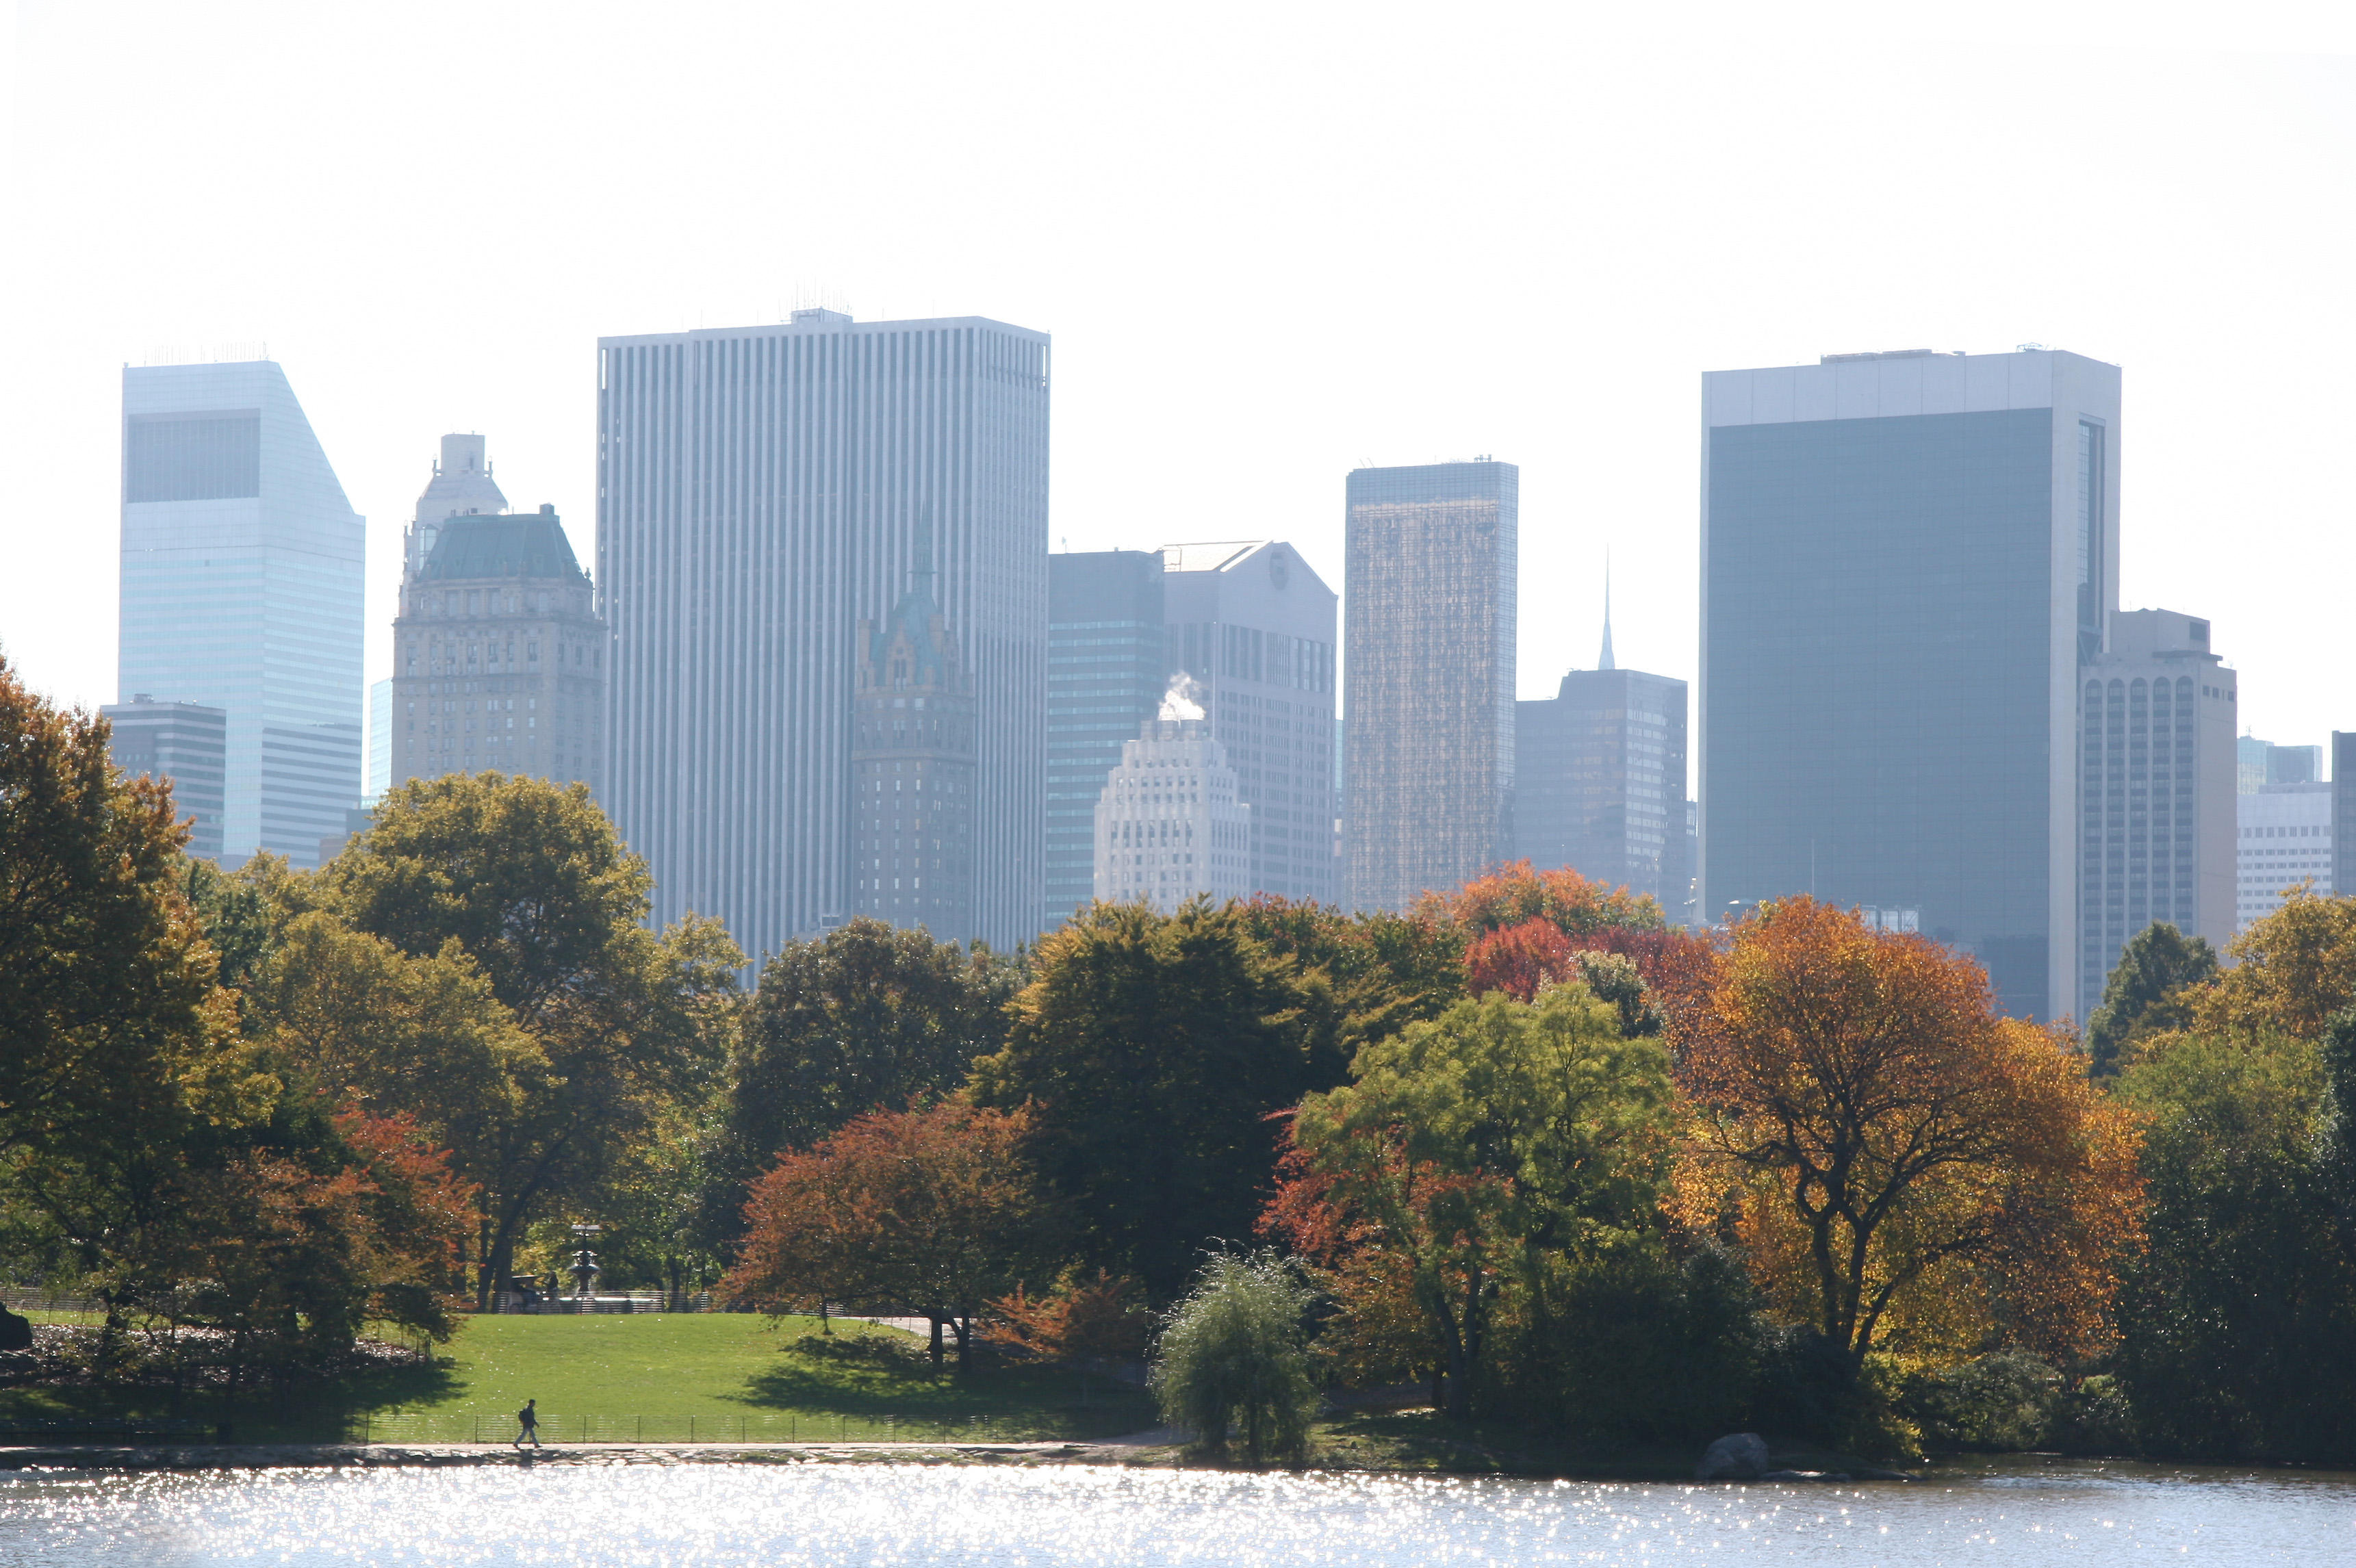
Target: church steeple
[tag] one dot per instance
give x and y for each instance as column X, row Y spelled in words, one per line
column 1605, row 663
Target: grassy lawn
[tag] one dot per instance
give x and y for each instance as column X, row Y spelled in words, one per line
column 669, row 1377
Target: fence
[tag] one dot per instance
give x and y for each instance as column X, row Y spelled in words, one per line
column 726, row 1426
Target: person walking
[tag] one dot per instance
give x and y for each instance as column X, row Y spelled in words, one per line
column 527, row 1424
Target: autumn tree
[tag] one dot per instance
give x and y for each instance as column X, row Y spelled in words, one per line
column 1151, row 1049
column 530, row 883
column 1514, row 893
column 1082, row 1319
column 931, row 1212
column 2292, row 971
column 2149, row 992
column 862, row 1018
column 1904, row 1167
column 1471, row 1153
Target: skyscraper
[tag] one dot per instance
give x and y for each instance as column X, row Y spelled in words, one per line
column 912, row 772
column 2343, row 814
column 242, row 580
column 2156, row 791
column 184, row 743
column 500, row 659
column 1251, row 631
column 1599, row 779
column 1906, row 560
column 1105, row 677
column 2286, row 838
column 761, row 491
column 1429, row 676
column 380, row 739
column 1172, row 822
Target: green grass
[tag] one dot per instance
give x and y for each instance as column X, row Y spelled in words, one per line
column 668, row 1377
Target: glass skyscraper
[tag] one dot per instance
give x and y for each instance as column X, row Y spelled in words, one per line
column 1428, row 676
column 761, row 491
column 1105, row 679
column 1599, row 782
column 183, row 742
column 1253, row 629
column 241, row 587
column 1906, row 560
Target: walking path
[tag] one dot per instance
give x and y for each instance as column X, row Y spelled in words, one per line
column 281, row 1456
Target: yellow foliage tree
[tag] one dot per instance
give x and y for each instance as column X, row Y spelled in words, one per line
column 2291, row 971
column 1907, row 1169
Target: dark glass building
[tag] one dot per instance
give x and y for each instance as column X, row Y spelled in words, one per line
column 184, row 743
column 1599, row 782
column 2343, row 813
column 1249, row 633
column 1105, row 679
column 1906, row 558
column 1428, row 628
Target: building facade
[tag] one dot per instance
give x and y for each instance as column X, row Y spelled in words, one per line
column 1599, row 782
column 761, row 491
column 499, row 658
column 1907, row 558
column 241, row 589
column 1104, row 676
column 2286, row 840
column 2344, row 810
column 1429, row 680
column 1172, row 822
column 2156, row 791
column 1250, row 640
column 184, row 743
column 911, row 762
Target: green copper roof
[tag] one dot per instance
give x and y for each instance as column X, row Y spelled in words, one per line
column 523, row 544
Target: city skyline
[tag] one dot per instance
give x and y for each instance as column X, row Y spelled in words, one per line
column 2200, row 259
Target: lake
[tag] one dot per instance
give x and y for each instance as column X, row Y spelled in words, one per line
column 911, row 1516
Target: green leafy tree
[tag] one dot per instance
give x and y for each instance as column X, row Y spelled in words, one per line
column 865, row 1016
column 530, row 883
column 1476, row 1153
column 1232, row 1360
column 1152, row 1049
column 2237, row 1316
column 2149, row 993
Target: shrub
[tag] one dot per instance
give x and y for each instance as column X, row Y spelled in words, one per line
column 1231, row 1357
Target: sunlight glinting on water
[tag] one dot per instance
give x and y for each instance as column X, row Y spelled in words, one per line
column 852, row 1516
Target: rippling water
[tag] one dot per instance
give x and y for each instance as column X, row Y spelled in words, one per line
column 905, row 1516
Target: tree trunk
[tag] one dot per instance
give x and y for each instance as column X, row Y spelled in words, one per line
column 937, row 1344
column 964, row 1326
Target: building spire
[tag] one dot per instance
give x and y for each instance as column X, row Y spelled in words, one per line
column 1606, row 662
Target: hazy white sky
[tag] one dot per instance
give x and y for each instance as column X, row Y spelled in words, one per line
column 1272, row 243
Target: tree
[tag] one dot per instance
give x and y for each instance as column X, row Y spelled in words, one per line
column 930, row 1212
column 865, row 1016
column 1232, row 1356
column 1467, row 1153
column 1901, row 1164
column 109, row 1015
column 1152, row 1049
column 2292, row 971
column 531, row 884
column 1081, row 1320
column 2147, row 992
column 2236, row 1318
column 1514, row 893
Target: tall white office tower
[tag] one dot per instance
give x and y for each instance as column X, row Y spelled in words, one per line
column 1172, row 822
column 241, row 590
column 1255, row 628
column 760, row 492
column 1908, row 558
column 2156, row 791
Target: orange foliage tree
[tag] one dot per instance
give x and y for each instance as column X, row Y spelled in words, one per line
column 930, row 1212
column 1523, row 928
column 1083, row 1320
column 1907, row 1169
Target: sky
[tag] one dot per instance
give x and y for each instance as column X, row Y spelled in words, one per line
column 1272, row 243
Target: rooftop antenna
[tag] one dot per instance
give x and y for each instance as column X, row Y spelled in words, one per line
column 1607, row 662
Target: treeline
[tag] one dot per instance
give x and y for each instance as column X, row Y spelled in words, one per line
column 1523, row 1145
